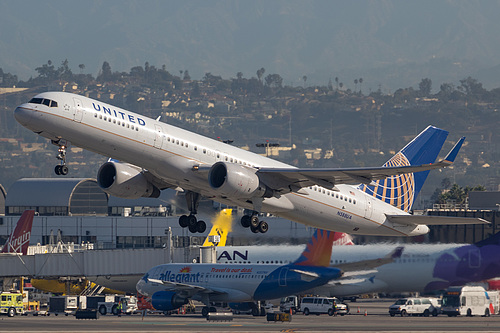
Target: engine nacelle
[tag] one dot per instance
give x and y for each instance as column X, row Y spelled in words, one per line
column 237, row 181
column 167, row 300
column 125, row 180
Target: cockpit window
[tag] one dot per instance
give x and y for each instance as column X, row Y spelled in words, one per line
column 36, row 100
column 48, row 102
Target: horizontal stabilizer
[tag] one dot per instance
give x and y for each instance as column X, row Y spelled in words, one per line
column 434, row 220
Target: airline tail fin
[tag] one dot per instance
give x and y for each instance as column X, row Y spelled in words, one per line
column 222, row 226
column 402, row 190
column 19, row 239
column 318, row 250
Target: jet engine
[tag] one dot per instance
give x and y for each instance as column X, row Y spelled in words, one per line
column 125, row 180
column 167, row 300
column 238, row 181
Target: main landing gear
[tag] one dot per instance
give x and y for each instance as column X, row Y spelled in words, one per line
column 61, row 169
column 254, row 223
column 191, row 221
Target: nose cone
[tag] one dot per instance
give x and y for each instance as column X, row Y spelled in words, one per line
column 23, row 115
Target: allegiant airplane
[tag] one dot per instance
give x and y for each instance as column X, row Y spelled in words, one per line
column 148, row 156
column 172, row 285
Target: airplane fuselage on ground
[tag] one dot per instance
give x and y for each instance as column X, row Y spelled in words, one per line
column 174, row 157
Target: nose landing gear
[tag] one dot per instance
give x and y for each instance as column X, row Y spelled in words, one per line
column 61, row 169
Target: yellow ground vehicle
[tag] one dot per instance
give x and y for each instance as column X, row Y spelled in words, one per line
column 11, row 304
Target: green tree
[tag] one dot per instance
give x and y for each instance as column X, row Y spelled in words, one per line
column 105, row 74
column 260, row 73
column 425, row 87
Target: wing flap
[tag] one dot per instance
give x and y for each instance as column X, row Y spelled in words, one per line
column 434, row 220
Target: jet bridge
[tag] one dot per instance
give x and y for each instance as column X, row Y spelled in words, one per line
column 91, row 262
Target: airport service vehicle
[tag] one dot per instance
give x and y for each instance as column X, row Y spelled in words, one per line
column 468, row 300
column 148, row 156
column 421, row 268
column 320, row 305
column 290, row 303
column 63, row 304
column 117, row 304
column 172, row 285
column 421, row 306
column 11, row 304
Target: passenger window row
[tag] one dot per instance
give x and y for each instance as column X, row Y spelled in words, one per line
column 333, row 194
column 117, row 121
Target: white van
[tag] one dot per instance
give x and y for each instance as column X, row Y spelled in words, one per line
column 319, row 305
column 468, row 300
column 422, row 306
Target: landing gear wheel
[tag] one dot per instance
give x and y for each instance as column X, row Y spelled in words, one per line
column 254, row 221
column 193, row 228
column 64, row 170
column 192, row 220
column 57, row 170
column 255, row 312
column 183, row 221
column 245, row 221
column 262, row 311
column 254, row 229
column 204, row 311
column 263, row 227
column 201, row 226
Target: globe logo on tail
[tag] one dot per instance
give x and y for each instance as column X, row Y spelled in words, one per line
column 398, row 190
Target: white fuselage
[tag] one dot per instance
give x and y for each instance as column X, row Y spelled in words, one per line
column 413, row 272
column 171, row 154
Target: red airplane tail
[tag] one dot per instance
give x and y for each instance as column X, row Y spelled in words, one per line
column 19, row 239
column 340, row 238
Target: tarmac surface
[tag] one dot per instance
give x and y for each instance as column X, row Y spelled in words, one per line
column 365, row 315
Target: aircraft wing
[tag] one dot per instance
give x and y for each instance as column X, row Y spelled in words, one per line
column 434, row 220
column 292, row 179
column 185, row 289
column 366, row 265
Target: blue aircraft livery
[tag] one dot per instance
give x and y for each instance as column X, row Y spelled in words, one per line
column 402, row 190
column 120, row 114
column 172, row 285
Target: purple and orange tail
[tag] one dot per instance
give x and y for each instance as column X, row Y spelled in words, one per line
column 318, row 250
column 19, row 239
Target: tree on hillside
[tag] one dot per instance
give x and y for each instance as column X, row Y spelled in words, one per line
column 456, row 194
column 105, row 75
column 260, row 73
column 425, row 87
column 274, row 81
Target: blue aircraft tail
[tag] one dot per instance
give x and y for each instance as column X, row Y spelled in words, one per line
column 402, row 190
column 318, row 250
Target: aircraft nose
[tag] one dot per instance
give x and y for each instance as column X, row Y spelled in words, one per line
column 23, row 114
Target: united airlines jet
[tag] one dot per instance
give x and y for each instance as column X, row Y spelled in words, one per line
column 148, row 156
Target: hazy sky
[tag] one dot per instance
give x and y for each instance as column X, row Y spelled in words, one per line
column 390, row 43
